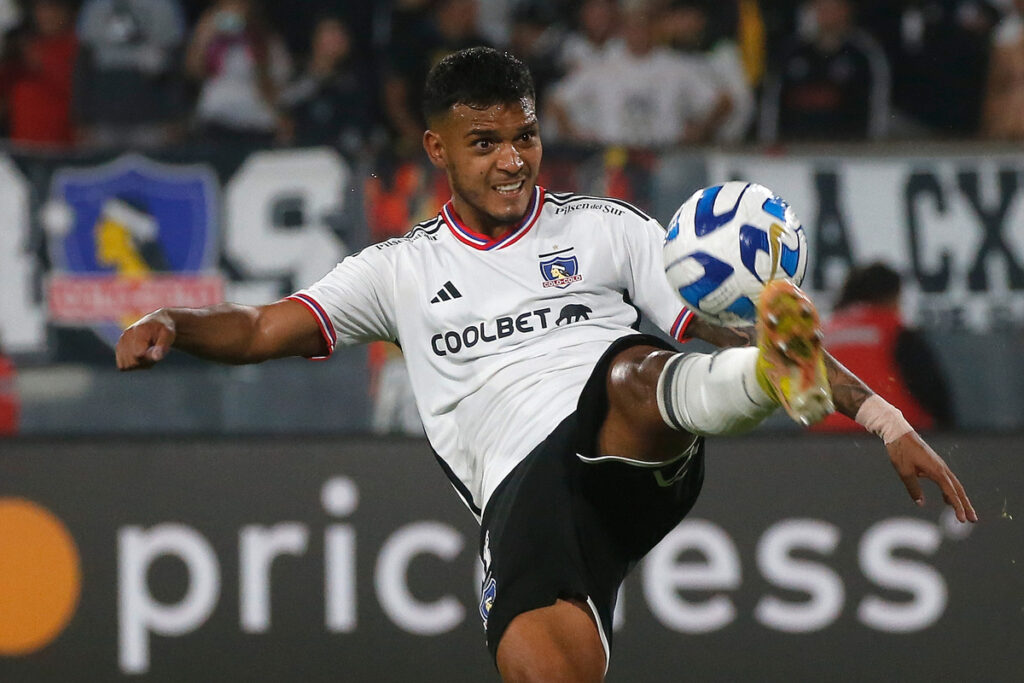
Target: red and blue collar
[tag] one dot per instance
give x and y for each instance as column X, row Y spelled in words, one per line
column 474, row 239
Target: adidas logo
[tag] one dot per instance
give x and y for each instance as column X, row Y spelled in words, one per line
column 446, row 293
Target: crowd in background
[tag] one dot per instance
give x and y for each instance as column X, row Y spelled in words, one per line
column 640, row 73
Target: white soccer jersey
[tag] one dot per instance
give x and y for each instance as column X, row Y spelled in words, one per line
column 500, row 335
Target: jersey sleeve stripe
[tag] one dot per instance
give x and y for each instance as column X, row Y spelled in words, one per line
column 326, row 326
column 682, row 322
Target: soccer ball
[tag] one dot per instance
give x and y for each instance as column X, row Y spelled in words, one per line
column 725, row 242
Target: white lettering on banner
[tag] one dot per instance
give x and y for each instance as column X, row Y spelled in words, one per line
column 777, row 564
column 952, row 225
column 686, row 579
column 87, row 299
column 278, row 206
column 22, row 316
column 879, row 563
column 664, row 576
column 139, row 613
column 257, row 548
column 391, row 578
column 340, row 497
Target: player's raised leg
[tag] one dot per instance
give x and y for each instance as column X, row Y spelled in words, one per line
column 657, row 399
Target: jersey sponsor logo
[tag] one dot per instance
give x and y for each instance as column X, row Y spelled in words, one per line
column 560, row 271
column 599, row 206
column 573, row 313
column 488, row 331
column 487, row 596
column 128, row 237
column 417, row 234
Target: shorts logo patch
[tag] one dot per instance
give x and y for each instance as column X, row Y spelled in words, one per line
column 487, row 599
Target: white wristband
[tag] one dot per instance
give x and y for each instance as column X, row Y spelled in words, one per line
column 883, row 419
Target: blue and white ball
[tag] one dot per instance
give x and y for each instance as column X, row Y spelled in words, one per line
column 725, row 242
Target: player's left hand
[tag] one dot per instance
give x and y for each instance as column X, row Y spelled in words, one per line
column 913, row 459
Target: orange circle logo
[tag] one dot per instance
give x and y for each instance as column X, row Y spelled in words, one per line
column 40, row 577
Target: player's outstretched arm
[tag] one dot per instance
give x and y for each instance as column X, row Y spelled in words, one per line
column 910, row 455
column 226, row 333
column 912, row 458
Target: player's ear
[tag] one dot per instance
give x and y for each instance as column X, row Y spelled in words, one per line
column 434, row 147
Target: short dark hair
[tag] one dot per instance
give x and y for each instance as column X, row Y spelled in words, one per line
column 477, row 76
column 876, row 283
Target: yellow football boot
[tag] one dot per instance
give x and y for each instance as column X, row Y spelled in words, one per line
column 790, row 362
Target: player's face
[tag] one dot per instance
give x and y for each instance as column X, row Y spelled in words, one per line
column 492, row 157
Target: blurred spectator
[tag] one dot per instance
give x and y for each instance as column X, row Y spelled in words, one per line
column 832, row 85
column 537, row 39
column 1003, row 110
column 866, row 333
column 10, row 18
column 10, row 404
column 638, row 95
column 332, row 101
column 687, row 26
column 35, row 79
column 596, row 27
column 394, row 406
column 419, row 39
column 938, row 51
column 128, row 86
column 241, row 64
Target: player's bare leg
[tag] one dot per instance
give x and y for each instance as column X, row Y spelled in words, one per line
column 555, row 643
column 634, row 427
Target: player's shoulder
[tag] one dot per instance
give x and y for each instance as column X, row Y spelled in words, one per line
column 421, row 235
column 570, row 203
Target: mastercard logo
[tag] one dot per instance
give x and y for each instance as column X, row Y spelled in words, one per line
column 40, row 577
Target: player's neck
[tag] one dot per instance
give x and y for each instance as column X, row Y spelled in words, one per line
column 480, row 223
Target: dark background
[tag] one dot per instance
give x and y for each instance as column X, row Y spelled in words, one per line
column 217, row 486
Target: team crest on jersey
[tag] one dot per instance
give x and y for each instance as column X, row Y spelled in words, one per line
column 487, row 599
column 560, row 271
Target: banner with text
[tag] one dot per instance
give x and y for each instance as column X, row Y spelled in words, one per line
column 321, row 559
column 952, row 225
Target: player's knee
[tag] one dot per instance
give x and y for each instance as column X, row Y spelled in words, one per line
column 556, row 643
column 554, row 666
column 633, row 382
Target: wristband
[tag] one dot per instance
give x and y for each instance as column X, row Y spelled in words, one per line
column 883, row 419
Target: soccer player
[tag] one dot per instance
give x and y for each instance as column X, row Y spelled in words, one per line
column 577, row 443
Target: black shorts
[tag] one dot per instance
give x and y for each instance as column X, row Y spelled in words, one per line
column 570, row 523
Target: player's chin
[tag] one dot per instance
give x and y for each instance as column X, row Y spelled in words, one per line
column 508, row 214
column 511, row 205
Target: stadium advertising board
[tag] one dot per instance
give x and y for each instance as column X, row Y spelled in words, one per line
column 319, row 559
column 952, row 225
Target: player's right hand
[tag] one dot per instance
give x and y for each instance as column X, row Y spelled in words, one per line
column 146, row 342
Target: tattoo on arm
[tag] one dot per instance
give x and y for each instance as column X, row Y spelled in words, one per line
column 723, row 337
column 848, row 391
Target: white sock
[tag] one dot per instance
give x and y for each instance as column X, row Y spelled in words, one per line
column 713, row 394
